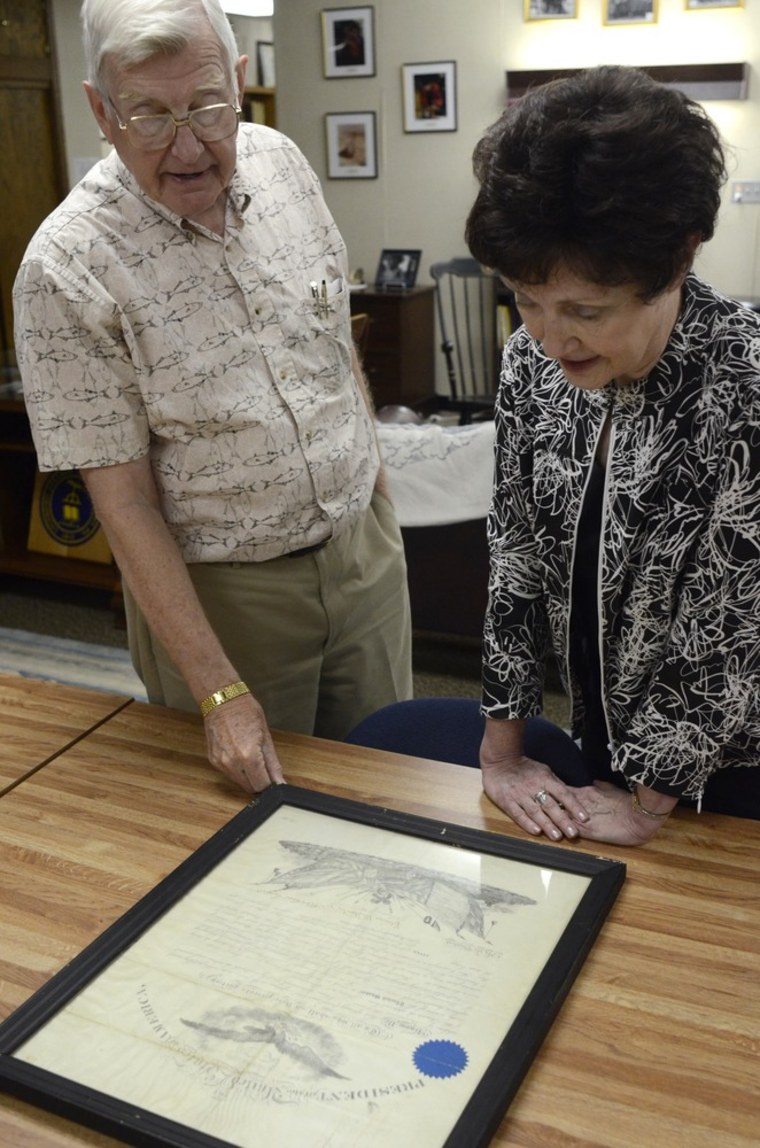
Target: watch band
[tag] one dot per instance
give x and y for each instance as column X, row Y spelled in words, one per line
column 219, row 697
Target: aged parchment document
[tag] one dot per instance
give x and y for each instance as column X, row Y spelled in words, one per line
column 326, row 984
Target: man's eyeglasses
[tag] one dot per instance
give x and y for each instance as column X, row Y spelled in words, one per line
column 210, row 124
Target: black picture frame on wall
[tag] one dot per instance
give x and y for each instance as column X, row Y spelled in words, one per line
column 430, row 96
column 265, row 69
column 348, row 42
column 431, row 963
column 351, row 139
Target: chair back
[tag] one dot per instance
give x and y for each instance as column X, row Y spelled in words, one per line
column 441, row 729
column 467, row 318
column 360, row 331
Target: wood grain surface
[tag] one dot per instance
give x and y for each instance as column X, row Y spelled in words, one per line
column 657, row 1044
column 39, row 719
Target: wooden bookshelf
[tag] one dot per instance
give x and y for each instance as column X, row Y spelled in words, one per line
column 260, row 106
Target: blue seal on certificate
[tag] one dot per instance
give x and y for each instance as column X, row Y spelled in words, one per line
column 440, row 1058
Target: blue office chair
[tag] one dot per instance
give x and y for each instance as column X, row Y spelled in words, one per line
column 451, row 729
column 443, row 729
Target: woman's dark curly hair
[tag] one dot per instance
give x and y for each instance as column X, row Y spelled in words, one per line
column 609, row 173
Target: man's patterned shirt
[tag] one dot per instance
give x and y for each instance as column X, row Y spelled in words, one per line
column 139, row 333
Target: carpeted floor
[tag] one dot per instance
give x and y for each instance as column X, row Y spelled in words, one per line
column 69, row 661
column 442, row 667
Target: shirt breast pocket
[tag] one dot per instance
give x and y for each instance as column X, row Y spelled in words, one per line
column 329, row 302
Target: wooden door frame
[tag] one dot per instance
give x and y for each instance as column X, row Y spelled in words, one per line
column 42, row 74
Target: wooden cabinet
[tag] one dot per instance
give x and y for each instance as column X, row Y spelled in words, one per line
column 31, row 138
column 18, row 471
column 400, row 355
column 447, row 570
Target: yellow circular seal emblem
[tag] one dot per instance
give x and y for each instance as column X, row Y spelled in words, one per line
column 66, row 510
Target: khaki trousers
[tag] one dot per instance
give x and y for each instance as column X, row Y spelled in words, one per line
column 322, row 639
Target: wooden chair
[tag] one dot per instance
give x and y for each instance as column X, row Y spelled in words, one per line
column 360, row 325
column 467, row 318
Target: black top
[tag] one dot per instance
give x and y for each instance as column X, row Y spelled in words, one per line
column 584, row 625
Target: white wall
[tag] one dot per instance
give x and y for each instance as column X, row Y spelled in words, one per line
column 425, row 185
column 81, row 133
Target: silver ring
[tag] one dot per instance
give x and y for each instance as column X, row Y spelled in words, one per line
column 541, row 797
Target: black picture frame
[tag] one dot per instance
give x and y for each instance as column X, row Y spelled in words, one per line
column 348, row 42
column 397, row 269
column 508, row 922
column 351, row 142
column 429, row 93
column 265, row 64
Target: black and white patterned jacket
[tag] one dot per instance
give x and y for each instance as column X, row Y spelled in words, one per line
column 680, row 572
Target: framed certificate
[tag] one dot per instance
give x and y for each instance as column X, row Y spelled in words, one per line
column 320, row 972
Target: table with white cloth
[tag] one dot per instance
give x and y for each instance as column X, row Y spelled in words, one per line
column 441, row 479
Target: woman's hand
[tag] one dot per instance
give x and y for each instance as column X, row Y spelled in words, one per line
column 613, row 816
column 240, row 744
column 527, row 790
column 536, row 799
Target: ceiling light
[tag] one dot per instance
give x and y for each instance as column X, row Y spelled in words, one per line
column 249, row 7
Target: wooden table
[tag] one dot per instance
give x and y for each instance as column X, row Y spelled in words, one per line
column 39, row 722
column 658, row 1042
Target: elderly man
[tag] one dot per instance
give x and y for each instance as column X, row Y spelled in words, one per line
column 183, row 334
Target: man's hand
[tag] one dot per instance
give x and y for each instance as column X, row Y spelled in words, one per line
column 240, row 744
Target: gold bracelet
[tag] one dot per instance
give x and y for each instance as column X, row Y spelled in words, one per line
column 219, row 697
column 639, row 808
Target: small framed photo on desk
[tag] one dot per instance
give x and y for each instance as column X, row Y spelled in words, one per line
column 397, row 270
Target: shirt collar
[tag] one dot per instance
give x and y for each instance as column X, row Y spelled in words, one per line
column 238, row 201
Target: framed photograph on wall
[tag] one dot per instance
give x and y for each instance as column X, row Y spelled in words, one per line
column 265, row 63
column 694, row 5
column 630, row 12
column 351, row 145
column 430, row 96
column 348, row 42
column 551, row 9
column 319, row 969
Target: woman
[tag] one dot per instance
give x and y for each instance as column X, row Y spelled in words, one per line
column 625, row 526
